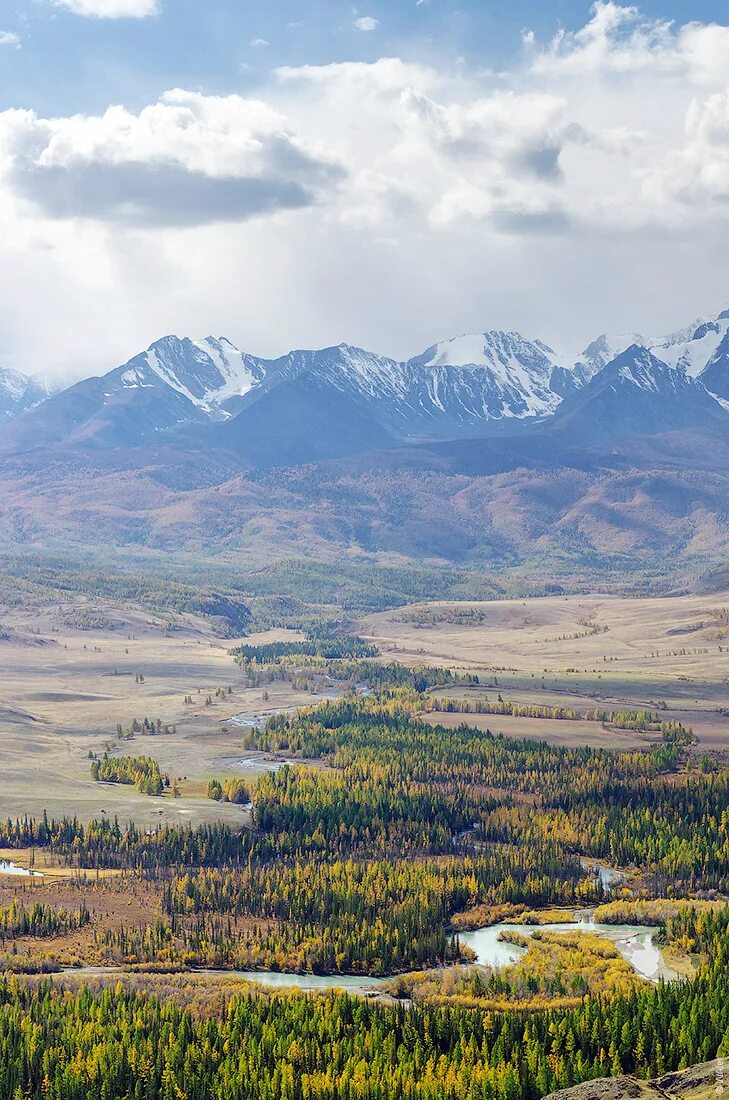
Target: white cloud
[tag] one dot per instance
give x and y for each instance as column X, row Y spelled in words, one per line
column 9, row 38
column 389, row 203
column 387, row 74
column 188, row 159
column 259, row 43
column 366, row 23
column 694, row 179
column 111, row 9
column 521, row 133
column 619, row 41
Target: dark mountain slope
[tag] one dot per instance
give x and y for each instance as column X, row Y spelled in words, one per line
column 304, row 421
column 636, row 395
column 92, row 413
column 715, row 375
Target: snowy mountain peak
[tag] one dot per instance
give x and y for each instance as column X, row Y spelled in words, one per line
column 636, row 396
column 697, row 348
column 692, row 350
column 606, row 348
column 493, row 349
column 640, row 368
column 207, row 373
column 18, row 392
column 491, row 375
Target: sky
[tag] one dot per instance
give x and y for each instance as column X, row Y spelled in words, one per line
column 298, row 174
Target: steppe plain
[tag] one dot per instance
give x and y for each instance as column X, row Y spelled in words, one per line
column 69, row 673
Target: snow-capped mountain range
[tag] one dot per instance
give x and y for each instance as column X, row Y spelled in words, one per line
column 468, row 386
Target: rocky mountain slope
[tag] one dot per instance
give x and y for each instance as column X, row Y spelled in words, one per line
column 346, row 399
column 703, row 1082
column 593, row 470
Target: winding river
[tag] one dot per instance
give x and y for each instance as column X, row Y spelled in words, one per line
column 634, row 942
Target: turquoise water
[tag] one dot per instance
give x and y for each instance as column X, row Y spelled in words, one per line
column 634, row 942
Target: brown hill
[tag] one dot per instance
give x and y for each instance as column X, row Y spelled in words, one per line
column 599, row 522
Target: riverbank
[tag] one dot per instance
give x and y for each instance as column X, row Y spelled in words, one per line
column 634, row 943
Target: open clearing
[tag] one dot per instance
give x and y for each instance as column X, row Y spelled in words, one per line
column 670, row 654
column 63, row 690
column 560, row 732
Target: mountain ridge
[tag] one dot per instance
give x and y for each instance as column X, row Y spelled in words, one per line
column 466, row 386
column 328, row 403
column 313, row 454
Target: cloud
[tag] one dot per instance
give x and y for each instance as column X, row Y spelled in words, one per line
column 259, row 43
column 156, row 195
column 619, row 41
column 523, row 134
column 186, row 160
column 694, row 178
column 386, row 75
column 366, row 23
column 111, row 9
column 389, row 203
column 442, row 149
column 500, row 156
column 9, row 38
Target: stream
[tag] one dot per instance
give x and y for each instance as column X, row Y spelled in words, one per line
column 7, row 867
column 634, row 942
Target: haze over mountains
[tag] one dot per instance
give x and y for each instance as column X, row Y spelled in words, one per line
column 491, row 447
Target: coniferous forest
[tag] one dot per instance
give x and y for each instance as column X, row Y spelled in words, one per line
column 368, row 853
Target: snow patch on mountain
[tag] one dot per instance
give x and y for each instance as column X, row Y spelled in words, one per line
column 695, row 353
column 461, row 351
column 606, row 348
column 240, row 372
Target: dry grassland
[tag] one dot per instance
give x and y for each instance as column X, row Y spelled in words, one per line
column 64, row 689
column 580, row 652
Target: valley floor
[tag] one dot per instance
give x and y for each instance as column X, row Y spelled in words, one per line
column 667, row 654
column 336, row 804
column 65, row 688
